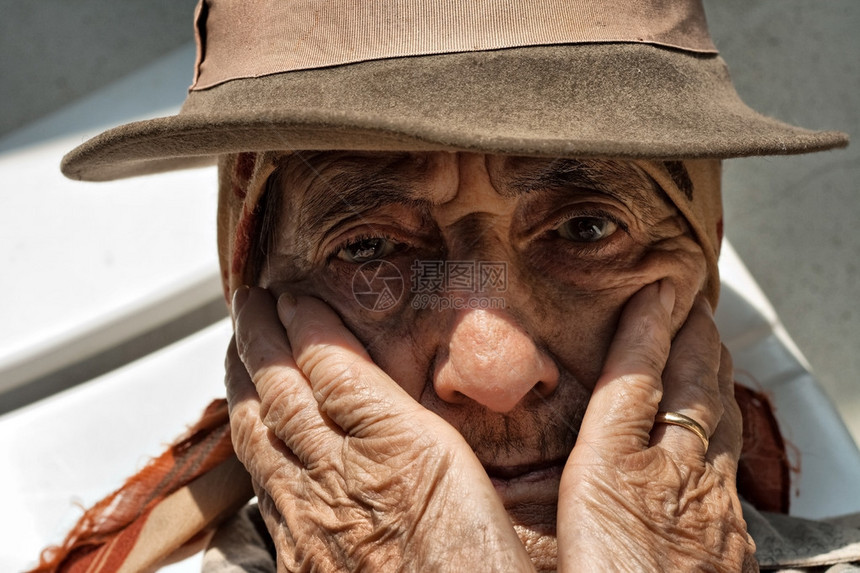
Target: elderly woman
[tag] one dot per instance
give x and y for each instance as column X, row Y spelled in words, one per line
column 471, row 256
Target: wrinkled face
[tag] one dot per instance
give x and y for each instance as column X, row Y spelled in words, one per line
column 488, row 287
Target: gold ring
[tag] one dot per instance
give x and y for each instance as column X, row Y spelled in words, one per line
column 676, row 419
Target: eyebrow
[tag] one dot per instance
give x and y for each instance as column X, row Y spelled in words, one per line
column 613, row 178
column 352, row 188
column 358, row 183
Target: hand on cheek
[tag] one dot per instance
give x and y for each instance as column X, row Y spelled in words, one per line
column 349, row 470
column 646, row 495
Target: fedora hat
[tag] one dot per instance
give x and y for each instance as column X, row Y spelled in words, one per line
column 637, row 79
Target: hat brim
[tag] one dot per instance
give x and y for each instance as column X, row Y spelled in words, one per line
column 634, row 101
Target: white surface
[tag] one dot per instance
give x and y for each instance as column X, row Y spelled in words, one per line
column 765, row 358
column 74, row 448
column 86, row 266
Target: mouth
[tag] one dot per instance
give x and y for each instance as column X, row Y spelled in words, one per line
column 514, row 481
column 529, row 492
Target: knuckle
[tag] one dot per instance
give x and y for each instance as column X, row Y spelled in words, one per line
column 638, row 387
column 329, row 370
column 258, row 348
column 649, row 359
column 279, row 399
column 242, row 432
column 653, row 329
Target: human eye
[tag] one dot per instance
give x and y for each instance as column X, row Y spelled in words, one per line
column 363, row 249
column 587, row 228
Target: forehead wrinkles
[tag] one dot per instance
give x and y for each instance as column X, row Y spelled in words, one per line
column 323, row 188
column 330, row 186
column 619, row 179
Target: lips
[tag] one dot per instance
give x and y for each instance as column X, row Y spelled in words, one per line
column 523, row 471
column 528, row 491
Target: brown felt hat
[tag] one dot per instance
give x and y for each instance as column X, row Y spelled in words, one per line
column 636, row 79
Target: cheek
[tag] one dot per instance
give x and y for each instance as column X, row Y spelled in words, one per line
column 687, row 270
column 401, row 343
column 579, row 312
column 388, row 333
column 579, row 335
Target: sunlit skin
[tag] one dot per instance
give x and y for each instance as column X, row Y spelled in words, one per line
column 563, row 296
column 578, row 242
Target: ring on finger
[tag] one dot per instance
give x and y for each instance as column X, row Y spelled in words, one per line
column 676, row 419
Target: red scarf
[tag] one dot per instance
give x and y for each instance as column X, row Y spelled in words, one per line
column 163, row 510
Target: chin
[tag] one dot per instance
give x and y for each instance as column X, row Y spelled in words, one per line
column 531, row 501
column 541, row 544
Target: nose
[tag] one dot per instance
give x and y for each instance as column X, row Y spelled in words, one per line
column 492, row 361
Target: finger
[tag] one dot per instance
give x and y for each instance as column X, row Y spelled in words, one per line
column 690, row 382
column 250, row 435
column 278, row 530
column 239, row 386
column 625, row 398
column 243, row 407
column 355, row 393
column 727, row 441
column 286, row 403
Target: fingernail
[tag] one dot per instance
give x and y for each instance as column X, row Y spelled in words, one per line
column 667, row 296
column 239, row 299
column 286, row 308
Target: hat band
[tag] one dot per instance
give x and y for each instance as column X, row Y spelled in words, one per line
column 238, row 39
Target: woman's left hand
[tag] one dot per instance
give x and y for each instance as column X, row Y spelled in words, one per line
column 644, row 496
